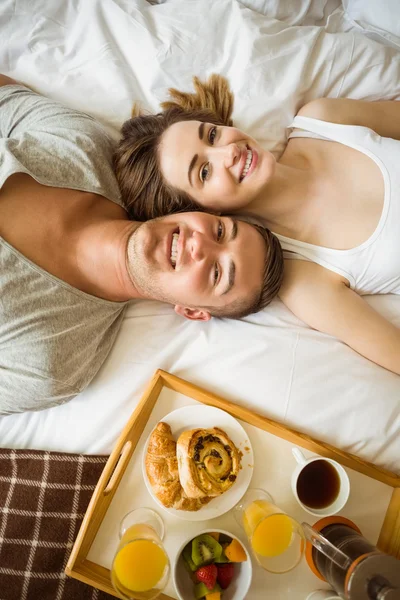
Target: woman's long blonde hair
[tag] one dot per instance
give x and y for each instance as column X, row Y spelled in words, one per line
column 144, row 191
column 214, row 95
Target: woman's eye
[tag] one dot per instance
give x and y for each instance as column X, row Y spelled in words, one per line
column 216, row 274
column 204, row 172
column 220, row 231
column 211, row 135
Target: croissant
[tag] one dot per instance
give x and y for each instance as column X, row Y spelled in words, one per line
column 162, row 471
column 208, row 462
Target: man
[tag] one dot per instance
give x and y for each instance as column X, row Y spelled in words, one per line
column 70, row 259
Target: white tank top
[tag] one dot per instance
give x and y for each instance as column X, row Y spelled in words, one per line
column 373, row 267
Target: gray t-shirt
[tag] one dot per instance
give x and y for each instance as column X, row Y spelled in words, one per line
column 53, row 337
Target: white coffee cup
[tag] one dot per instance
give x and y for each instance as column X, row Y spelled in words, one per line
column 344, row 489
column 323, row 595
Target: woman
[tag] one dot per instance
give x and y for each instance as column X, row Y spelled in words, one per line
column 330, row 199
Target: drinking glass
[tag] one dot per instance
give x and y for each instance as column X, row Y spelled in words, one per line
column 140, row 568
column 276, row 539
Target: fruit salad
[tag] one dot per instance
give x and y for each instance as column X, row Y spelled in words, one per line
column 210, row 561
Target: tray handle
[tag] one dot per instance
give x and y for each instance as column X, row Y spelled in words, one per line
column 119, row 468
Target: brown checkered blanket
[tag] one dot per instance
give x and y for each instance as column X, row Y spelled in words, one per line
column 43, row 498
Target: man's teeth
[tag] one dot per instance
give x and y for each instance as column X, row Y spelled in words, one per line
column 174, row 248
column 247, row 164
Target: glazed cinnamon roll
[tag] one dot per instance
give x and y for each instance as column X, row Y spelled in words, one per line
column 208, row 462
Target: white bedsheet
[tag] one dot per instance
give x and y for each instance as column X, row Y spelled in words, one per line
column 99, row 56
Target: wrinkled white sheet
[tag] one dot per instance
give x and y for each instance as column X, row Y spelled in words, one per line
column 99, row 56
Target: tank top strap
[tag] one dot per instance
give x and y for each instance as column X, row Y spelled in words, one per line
column 297, row 250
column 349, row 135
column 301, row 133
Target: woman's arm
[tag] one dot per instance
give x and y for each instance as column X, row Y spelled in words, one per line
column 322, row 300
column 382, row 117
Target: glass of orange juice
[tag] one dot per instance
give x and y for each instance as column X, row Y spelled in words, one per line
column 276, row 539
column 140, row 568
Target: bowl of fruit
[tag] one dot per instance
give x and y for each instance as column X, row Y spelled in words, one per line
column 213, row 565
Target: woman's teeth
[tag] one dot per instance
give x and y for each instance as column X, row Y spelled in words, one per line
column 174, row 248
column 247, row 164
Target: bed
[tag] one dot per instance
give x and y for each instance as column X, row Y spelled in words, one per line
column 101, row 55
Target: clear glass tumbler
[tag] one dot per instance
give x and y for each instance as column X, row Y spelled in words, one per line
column 140, row 568
column 276, row 539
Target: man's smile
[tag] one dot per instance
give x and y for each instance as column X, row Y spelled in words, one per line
column 175, row 245
column 174, row 249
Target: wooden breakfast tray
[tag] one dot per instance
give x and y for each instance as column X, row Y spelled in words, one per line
column 88, row 571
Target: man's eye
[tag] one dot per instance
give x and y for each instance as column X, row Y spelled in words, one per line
column 211, row 135
column 205, row 172
column 220, row 231
column 216, row 274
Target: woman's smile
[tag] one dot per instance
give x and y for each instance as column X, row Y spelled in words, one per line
column 251, row 158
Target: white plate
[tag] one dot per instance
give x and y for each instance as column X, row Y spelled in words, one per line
column 193, row 417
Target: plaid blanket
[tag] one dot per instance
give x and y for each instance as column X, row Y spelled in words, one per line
column 43, row 498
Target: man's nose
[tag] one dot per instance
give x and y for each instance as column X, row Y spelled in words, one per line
column 200, row 246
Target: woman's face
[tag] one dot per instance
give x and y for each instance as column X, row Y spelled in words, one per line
column 220, row 167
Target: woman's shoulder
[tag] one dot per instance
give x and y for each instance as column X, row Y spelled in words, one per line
column 302, row 277
column 342, row 111
column 321, row 108
column 312, row 292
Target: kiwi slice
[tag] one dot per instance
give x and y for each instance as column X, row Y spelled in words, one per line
column 201, row 590
column 222, row 559
column 205, row 549
column 187, row 559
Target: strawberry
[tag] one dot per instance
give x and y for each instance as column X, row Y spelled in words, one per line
column 207, row 575
column 225, row 574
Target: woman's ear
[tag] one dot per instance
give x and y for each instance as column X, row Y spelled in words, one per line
column 194, row 314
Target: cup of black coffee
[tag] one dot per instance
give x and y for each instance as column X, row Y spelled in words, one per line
column 320, row 485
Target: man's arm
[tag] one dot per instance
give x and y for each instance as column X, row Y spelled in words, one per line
column 382, row 117
column 322, row 300
column 4, row 80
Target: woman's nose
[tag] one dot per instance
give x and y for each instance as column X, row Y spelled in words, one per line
column 229, row 154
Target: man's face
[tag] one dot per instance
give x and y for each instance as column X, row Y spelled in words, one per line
column 196, row 260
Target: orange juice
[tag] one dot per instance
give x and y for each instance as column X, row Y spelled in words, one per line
column 270, row 533
column 272, row 536
column 276, row 539
column 140, row 563
column 139, row 530
column 255, row 513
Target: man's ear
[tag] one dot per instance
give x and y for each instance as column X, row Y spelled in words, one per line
column 195, row 314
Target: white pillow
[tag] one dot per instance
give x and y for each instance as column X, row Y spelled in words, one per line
column 301, row 12
column 379, row 17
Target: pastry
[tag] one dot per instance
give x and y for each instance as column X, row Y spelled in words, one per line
column 162, row 471
column 208, row 462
